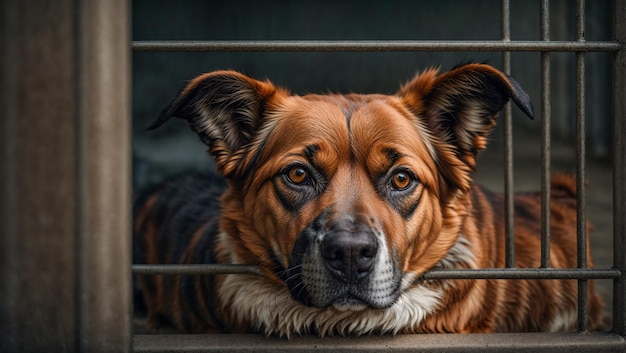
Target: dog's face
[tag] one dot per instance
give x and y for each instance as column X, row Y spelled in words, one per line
column 349, row 191
column 345, row 199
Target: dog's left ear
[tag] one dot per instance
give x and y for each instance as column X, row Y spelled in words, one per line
column 459, row 108
column 226, row 109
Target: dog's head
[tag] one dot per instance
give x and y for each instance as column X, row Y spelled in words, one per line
column 345, row 199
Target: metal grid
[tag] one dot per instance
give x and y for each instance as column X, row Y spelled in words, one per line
column 580, row 46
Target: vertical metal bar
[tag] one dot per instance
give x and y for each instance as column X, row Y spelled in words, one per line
column 545, row 137
column 581, row 209
column 619, row 168
column 103, row 173
column 508, row 146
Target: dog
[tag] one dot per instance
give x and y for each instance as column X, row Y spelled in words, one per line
column 343, row 203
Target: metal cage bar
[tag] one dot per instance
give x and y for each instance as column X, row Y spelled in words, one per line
column 369, row 45
column 619, row 168
column 509, row 221
column 581, row 193
column 485, row 273
column 545, row 137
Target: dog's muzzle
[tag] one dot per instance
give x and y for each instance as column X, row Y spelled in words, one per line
column 345, row 263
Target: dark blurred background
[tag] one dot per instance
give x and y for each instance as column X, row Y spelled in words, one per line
column 157, row 76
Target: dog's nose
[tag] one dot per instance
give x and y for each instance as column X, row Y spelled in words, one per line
column 350, row 255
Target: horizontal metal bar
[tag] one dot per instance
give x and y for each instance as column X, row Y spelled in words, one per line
column 488, row 273
column 194, row 269
column 398, row 45
column 524, row 273
column 509, row 342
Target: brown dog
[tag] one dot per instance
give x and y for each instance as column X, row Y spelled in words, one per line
column 343, row 202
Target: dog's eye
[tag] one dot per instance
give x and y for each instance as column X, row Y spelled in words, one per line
column 298, row 175
column 400, row 180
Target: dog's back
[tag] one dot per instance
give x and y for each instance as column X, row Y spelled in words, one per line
column 553, row 307
column 175, row 223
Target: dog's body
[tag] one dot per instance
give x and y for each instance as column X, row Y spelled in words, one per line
column 343, row 202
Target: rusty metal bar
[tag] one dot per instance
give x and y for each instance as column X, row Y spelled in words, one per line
column 492, row 273
column 581, row 194
column 545, row 137
column 509, row 222
column 619, row 168
column 393, row 45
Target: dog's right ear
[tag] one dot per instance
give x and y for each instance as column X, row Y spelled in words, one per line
column 225, row 109
column 459, row 108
